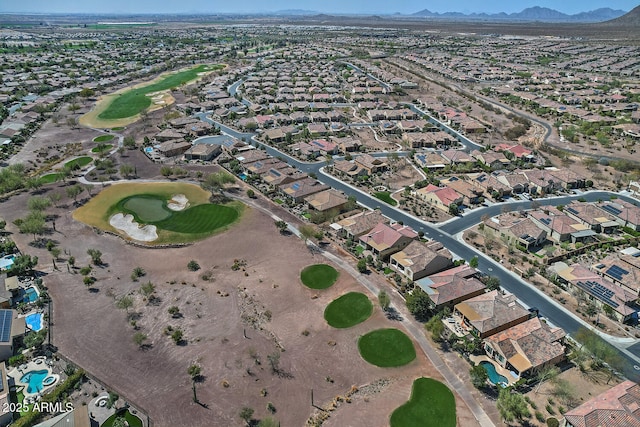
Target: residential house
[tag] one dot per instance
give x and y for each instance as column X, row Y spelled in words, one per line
column 592, row 216
column 204, row 152
column 371, row 164
column 470, row 193
column 495, row 160
column 516, row 181
column 449, row 287
column 12, row 328
column 327, row 200
column 384, row 240
column 490, row 185
column 304, row 150
column 431, row 160
column 418, row 259
column 441, row 197
column 621, row 303
column 252, row 156
column 561, row 227
column 516, row 228
column 541, row 181
column 169, row 134
column 349, row 168
column 616, row 407
column 457, row 157
column 173, row 148
column 625, row 213
column 300, row 189
column 277, row 177
column 490, row 313
column 359, row 224
column 568, row 179
column 526, row 348
column 325, row 147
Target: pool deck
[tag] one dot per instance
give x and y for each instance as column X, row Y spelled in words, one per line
column 499, row 369
column 37, row 364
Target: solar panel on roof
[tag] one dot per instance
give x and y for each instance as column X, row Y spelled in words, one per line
column 597, row 290
column 616, row 272
column 611, row 209
column 545, row 221
column 296, row 186
column 6, row 316
column 482, row 178
column 572, row 210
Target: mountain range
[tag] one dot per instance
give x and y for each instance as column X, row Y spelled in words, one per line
column 537, row 13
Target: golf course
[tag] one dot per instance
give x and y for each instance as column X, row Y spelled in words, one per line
column 158, row 213
column 126, row 106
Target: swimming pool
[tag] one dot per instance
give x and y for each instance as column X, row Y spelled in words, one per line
column 34, row 321
column 29, row 294
column 34, row 379
column 494, row 376
column 6, row 262
column 243, row 176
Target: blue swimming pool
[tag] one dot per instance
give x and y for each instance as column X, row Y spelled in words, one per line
column 34, row 321
column 243, row 176
column 30, row 294
column 6, row 262
column 34, row 379
column 494, row 377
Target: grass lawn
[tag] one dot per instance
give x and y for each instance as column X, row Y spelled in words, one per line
column 431, row 405
column 385, row 196
column 117, row 129
column 278, row 201
column 50, row 178
column 359, row 249
column 147, row 203
column 103, row 138
column 131, row 419
column 386, row 348
column 102, row 147
column 348, row 310
column 132, row 102
column 80, row 161
column 387, row 270
column 319, row 276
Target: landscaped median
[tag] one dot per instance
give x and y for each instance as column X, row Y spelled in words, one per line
column 158, row 213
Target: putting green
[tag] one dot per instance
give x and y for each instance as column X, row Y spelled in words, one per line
column 50, row 178
column 431, row 405
column 147, row 203
column 103, row 138
column 79, row 162
column 102, row 147
column 386, row 348
column 348, row 310
column 319, row 276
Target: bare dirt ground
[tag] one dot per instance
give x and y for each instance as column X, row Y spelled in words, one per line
column 93, row 333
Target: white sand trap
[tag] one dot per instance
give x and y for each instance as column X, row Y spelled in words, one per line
column 178, row 202
column 126, row 224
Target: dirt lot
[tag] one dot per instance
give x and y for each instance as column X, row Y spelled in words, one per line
column 92, row 332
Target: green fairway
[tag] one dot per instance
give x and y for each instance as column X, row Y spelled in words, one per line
column 103, row 138
column 79, row 162
column 319, row 276
column 131, row 419
column 134, row 101
column 199, row 219
column 385, row 196
column 101, row 147
column 386, row 348
column 348, row 310
column 50, row 178
column 431, row 405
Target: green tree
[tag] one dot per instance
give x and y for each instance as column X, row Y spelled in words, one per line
column 147, row 289
column 127, row 170
column 119, row 422
column 307, row 231
column 124, row 303
column 193, row 265
column 384, row 300
column 216, row 181
column 139, row 339
column 96, row 256
column 479, row 376
column 512, row 406
column 194, row 372
column 362, row 265
column 177, row 336
column 74, row 191
column 492, row 283
column 23, row 264
column 547, row 373
column 419, row 304
column 33, row 224
column 281, row 226
column 473, row 262
column 129, row 142
column 454, row 209
column 251, row 194
column 246, row 414
column 38, row 203
column 34, row 339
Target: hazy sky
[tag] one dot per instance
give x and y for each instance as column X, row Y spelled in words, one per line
column 327, row 6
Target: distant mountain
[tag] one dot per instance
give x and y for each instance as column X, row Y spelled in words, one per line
column 630, row 19
column 541, row 14
column 294, row 12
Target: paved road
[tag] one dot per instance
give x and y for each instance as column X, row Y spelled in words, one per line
column 526, row 293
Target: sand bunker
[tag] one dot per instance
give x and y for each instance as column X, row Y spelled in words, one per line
column 127, row 225
column 178, row 202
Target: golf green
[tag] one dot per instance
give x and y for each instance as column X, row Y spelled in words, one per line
column 386, row 348
column 101, row 147
column 431, row 405
column 319, row 276
column 103, row 138
column 348, row 310
column 79, row 162
column 50, row 177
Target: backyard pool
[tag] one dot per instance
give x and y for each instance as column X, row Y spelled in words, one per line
column 34, row 321
column 34, row 379
column 29, row 294
column 6, row 262
column 243, row 176
column 494, row 377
